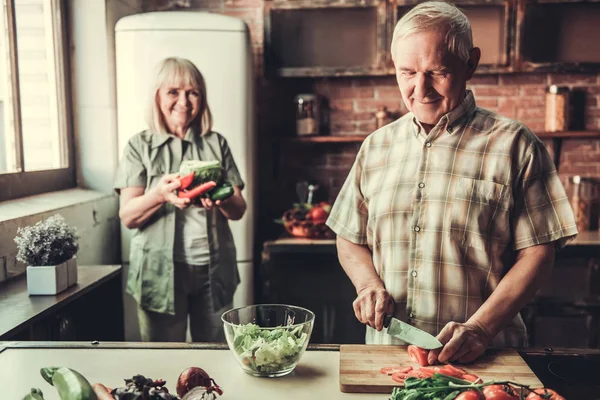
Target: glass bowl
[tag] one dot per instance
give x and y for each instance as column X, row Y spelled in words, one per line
column 268, row 339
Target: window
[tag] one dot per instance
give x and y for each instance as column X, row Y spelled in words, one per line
column 35, row 138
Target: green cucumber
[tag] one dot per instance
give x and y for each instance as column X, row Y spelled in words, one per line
column 70, row 384
column 34, row 394
column 222, row 192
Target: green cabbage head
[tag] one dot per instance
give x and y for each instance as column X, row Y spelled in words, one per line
column 204, row 171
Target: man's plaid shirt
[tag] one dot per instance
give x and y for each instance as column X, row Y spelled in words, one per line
column 444, row 213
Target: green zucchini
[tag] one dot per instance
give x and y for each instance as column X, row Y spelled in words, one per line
column 222, row 192
column 34, row 394
column 70, row 384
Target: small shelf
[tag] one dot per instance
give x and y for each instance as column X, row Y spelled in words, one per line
column 569, row 135
column 327, row 139
column 360, row 138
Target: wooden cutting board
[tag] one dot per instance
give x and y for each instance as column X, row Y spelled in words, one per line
column 360, row 367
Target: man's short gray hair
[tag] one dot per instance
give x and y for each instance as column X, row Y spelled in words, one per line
column 439, row 16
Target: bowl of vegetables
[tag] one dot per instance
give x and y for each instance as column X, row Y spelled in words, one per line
column 268, row 340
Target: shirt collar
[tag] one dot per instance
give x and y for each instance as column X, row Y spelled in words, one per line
column 460, row 113
column 158, row 139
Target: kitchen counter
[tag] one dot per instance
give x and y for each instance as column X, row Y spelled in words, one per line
column 316, row 377
column 302, row 245
column 65, row 316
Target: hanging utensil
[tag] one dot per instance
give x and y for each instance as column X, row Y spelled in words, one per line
column 311, row 189
column 301, row 191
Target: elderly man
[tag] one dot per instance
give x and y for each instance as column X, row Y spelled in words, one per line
column 450, row 215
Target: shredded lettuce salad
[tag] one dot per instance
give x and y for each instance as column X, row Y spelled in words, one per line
column 268, row 350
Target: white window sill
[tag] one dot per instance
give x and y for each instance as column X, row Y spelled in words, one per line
column 47, row 202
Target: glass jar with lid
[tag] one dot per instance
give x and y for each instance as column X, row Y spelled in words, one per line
column 307, row 114
column 557, row 109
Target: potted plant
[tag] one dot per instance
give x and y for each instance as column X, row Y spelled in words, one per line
column 48, row 249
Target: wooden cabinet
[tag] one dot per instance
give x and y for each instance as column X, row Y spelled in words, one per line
column 492, row 23
column 559, row 36
column 326, row 38
column 307, row 273
column 566, row 310
column 353, row 38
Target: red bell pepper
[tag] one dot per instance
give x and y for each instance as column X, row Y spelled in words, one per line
column 186, row 180
column 197, row 191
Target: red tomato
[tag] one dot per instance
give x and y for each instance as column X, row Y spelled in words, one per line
column 470, row 395
column 544, row 394
column 418, row 355
column 318, row 214
column 499, row 392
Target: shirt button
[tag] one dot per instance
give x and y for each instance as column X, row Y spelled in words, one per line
column 414, row 273
column 427, row 144
column 417, row 228
column 421, row 185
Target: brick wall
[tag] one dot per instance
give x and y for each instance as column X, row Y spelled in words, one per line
column 352, row 103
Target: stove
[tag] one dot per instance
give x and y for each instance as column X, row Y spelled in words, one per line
column 575, row 377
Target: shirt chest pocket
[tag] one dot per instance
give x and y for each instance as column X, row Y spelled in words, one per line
column 155, row 173
column 479, row 212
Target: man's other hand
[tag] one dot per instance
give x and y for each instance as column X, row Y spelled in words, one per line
column 463, row 343
column 371, row 305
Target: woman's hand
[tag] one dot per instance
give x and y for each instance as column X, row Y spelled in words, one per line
column 232, row 208
column 165, row 189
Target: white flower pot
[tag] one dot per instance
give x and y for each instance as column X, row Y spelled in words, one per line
column 47, row 280
column 71, row 271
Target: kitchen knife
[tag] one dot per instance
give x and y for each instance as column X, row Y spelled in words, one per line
column 410, row 334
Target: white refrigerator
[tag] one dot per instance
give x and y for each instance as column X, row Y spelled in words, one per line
column 219, row 46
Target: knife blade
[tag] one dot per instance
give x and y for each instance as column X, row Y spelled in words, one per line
column 410, row 334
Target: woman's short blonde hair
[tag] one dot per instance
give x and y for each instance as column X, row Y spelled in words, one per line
column 176, row 71
column 440, row 16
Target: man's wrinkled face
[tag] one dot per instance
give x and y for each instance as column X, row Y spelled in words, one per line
column 431, row 79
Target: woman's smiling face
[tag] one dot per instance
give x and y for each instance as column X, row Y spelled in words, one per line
column 179, row 105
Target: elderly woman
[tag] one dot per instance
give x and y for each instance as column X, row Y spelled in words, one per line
column 183, row 259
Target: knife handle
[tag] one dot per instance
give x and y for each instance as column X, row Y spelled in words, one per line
column 386, row 321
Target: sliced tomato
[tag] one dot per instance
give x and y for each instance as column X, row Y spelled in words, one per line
column 399, row 377
column 450, row 371
column 387, row 370
column 428, row 370
column 499, row 392
column 420, row 373
column 455, row 369
column 470, row 395
column 470, row 377
column 544, row 394
column 394, row 369
column 418, row 355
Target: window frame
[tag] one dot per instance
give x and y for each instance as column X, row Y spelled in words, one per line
column 27, row 183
